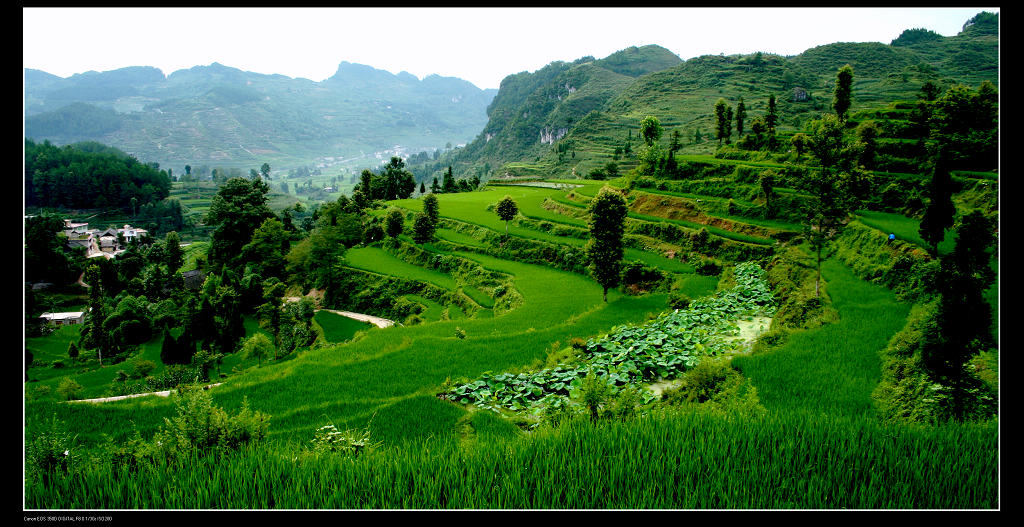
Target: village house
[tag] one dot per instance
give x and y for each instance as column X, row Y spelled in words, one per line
column 64, row 319
column 101, row 243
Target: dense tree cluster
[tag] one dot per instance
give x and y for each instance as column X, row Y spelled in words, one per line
column 450, row 185
column 47, row 257
column 392, row 182
column 82, row 178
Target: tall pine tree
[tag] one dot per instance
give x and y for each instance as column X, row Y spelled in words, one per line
column 940, row 213
column 842, row 95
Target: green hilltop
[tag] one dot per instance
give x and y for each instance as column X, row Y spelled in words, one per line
column 568, row 118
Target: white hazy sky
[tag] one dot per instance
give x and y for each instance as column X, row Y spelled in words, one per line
column 481, row 45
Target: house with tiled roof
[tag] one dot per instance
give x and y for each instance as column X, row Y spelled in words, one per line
column 101, row 243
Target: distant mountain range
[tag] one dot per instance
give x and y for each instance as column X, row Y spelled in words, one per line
column 561, row 120
column 222, row 116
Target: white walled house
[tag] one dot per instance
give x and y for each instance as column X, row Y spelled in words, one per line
column 101, row 243
column 64, row 319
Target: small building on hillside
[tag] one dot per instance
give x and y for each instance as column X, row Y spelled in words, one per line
column 63, row 319
column 101, row 243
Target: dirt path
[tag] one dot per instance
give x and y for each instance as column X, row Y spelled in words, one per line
column 377, row 321
column 164, row 393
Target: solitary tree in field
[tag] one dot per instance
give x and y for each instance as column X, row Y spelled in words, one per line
column 422, row 229
column 431, row 208
column 506, row 210
column 93, row 335
column 940, row 212
column 728, row 124
column 258, row 346
column 449, row 185
column 605, row 248
column 674, row 144
column 772, row 117
column 829, row 186
column 650, row 130
column 265, row 171
column 741, row 115
column 720, row 119
column 394, row 222
column 842, row 96
column 965, row 274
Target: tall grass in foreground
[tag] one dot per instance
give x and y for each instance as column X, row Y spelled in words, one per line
column 670, row 461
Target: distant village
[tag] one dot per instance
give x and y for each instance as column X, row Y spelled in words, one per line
column 107, row 243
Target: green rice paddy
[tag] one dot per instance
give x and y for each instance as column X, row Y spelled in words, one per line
column 817, row 446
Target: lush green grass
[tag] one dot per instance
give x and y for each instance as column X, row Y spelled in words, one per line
column 470, row 207
column 903, row 227
column 457, row 237
column 696, row 286
column 96, row 380
column 377, row 260
column 683, row 461
column 192, row 252
column 338, row 328
column 348, row 384
column 478, row 296
column 55, row 345
column 832, row 369
column 432, row 311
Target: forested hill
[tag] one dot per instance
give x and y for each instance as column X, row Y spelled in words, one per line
column 569, row 118
column 221, row 115
column 534, row 110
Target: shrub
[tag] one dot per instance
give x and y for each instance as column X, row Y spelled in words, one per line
column 328, row 439
column 593, row 392
column 708, row 267
column 679, row 300
column 69, row 389
column 50, row 451
column 638, row 273
column 719, row 387
column 142, row 369
column 201, row 426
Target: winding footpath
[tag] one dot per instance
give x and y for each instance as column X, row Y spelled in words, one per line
column 164, row 393
column 377, row 321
